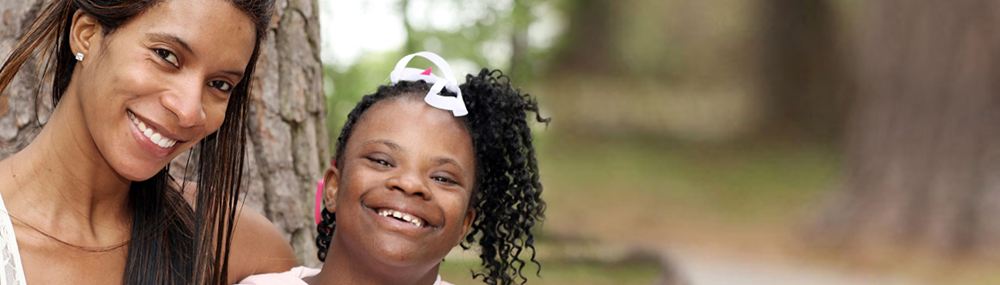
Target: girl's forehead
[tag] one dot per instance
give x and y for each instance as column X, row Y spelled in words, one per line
column 413, row 124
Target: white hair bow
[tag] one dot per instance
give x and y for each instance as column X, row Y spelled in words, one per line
column 434, row 98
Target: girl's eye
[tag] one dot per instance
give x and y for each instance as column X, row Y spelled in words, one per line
column 221, row 85
column 445, row 180
column 379, row 161
column 168, row 56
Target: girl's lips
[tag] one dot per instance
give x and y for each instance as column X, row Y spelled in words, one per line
column 402, row 216
column 386, row 217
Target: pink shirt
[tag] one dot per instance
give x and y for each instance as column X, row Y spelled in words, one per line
column 294, row 277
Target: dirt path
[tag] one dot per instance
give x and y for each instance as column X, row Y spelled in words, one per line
column 704, row 269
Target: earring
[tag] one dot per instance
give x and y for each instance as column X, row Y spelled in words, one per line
column 79, row 56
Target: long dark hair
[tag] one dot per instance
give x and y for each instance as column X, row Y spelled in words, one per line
column 171, row 243
column 507, row 197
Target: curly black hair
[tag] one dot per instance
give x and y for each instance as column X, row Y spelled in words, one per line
column 507, row 193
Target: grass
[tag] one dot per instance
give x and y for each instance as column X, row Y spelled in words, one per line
column 614, row 188
column 562, row 272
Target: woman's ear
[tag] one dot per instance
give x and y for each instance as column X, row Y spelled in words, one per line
column 331, row 182
column 84, row 33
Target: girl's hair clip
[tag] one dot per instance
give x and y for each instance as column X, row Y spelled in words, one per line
column 434, row 98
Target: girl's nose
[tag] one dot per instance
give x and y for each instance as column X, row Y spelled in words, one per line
column 184, row 101
column 410, row 183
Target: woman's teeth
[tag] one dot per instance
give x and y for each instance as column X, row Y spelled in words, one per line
column 153, row 136
column 401, row 216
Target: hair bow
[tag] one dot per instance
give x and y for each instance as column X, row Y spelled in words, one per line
column 434, row 98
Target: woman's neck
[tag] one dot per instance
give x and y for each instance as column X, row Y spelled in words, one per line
column 349, row 265
column 61, row 184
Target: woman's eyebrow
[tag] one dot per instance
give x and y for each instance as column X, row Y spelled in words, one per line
column 176, row 40
column 170, row 38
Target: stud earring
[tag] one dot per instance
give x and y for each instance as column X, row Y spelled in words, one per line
column 79, row 56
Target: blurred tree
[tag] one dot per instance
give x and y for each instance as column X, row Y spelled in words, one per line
column 923, row 150
column 589, row 41
column 287, row 148
column 804, row 77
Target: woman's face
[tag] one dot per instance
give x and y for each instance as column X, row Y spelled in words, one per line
column 159, row 83
column 402, row 199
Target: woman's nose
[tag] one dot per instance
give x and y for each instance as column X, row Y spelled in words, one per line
column 185, row 101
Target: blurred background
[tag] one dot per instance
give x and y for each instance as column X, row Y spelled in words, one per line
column 692, row 142
column 727, row 141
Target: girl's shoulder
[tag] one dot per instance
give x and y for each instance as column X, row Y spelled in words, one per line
column 291, row 277
column 441, row 282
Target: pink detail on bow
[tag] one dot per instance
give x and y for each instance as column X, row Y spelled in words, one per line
column 426, row 72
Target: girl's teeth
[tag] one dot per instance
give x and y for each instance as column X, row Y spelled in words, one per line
column 402, row 216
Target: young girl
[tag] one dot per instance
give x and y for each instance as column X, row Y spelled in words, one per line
column 424, row 165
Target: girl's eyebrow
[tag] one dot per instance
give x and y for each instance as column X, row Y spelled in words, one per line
column 448, row 160
column 391, row 145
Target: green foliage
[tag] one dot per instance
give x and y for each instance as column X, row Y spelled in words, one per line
column 344, row 89
column 483, row 37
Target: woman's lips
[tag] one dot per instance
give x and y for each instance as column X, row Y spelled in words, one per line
column 155, row 137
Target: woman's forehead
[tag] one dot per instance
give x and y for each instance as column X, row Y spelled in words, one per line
column 209, row 29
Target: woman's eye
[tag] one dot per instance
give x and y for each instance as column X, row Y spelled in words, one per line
column 168, row 56
column 221, row 85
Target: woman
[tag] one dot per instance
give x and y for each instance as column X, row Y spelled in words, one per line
column 136, row 83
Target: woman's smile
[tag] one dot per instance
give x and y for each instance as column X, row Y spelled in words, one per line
column 153, row 139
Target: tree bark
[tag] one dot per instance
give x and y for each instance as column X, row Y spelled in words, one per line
column 287, row 145
column 23, row 120
column 923, row 156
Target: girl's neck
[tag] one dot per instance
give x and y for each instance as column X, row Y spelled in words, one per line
column 61, row 183
column 346, row 266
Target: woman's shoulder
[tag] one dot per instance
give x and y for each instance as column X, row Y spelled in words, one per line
column 257, row 246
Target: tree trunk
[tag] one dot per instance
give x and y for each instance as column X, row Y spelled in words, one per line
column 287, row 145
column 23, row 120
column 589, row 46
column 288, row 135
column 803, row 74
column 923, row 156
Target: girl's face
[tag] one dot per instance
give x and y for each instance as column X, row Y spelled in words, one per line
column 159, row 83
column 402, row 199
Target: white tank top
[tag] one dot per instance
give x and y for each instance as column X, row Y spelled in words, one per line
column 10, row 257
